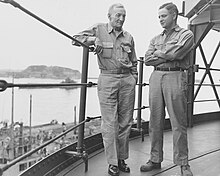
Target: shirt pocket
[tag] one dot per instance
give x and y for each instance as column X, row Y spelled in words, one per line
column 107, row 50
column 124, row 52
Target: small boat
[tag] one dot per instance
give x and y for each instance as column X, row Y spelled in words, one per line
column 69, row 84
column 68, row 80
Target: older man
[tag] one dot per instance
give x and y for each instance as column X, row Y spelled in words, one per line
column 167, row 52
column 116, row 84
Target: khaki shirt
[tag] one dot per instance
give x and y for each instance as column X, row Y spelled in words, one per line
column 118, row 51
column 174, row 46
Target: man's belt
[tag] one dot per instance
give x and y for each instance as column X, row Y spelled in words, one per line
column 117, row 71
column 168, row 69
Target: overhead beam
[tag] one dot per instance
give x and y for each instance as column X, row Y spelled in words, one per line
column 200, row 31
column 192, row 7
column 212, row 14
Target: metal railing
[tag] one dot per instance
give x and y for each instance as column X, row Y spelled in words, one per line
column 5, row 85
column 80, row 149
column 86, row 49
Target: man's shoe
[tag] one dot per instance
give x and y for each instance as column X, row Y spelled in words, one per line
column 150, row 166
column 113, row 170
column 186, row 171
column 123, row 166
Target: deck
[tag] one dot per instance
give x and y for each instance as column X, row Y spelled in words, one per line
column 204, row 155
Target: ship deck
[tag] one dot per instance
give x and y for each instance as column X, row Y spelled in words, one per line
column 204, row 155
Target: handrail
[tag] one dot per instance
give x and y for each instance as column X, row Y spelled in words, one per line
column 208, row 84
column 43, row 145
column 204, row 85
column 15, row 4
column 4, row 85
column 214, row 69
column 199, row 101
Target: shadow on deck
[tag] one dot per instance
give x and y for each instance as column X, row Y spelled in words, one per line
column 204, row 155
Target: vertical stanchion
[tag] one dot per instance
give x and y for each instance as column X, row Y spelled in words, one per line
column 82, row 106
column 140, row 86
column 74, row 119
column 190, row 82
column 30, row 138
column 12, row 125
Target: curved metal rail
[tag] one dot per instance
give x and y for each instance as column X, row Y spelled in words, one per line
column 4, row 168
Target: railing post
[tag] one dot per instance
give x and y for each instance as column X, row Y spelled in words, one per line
column 82, row 106
column 190, row 82
column 140, row 86
column 30, row 126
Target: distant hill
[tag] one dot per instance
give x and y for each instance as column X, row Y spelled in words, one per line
column 43, row 71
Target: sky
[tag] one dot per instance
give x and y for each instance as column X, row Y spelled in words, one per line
column 24, row 41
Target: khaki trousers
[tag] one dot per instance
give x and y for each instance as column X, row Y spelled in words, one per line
column 116, row 94
column 168, row 89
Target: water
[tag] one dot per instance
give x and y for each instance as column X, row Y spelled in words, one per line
column 56, row 103
column 47, row 104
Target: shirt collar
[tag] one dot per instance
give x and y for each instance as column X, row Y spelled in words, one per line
column 175, row 28
column 110, row 29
